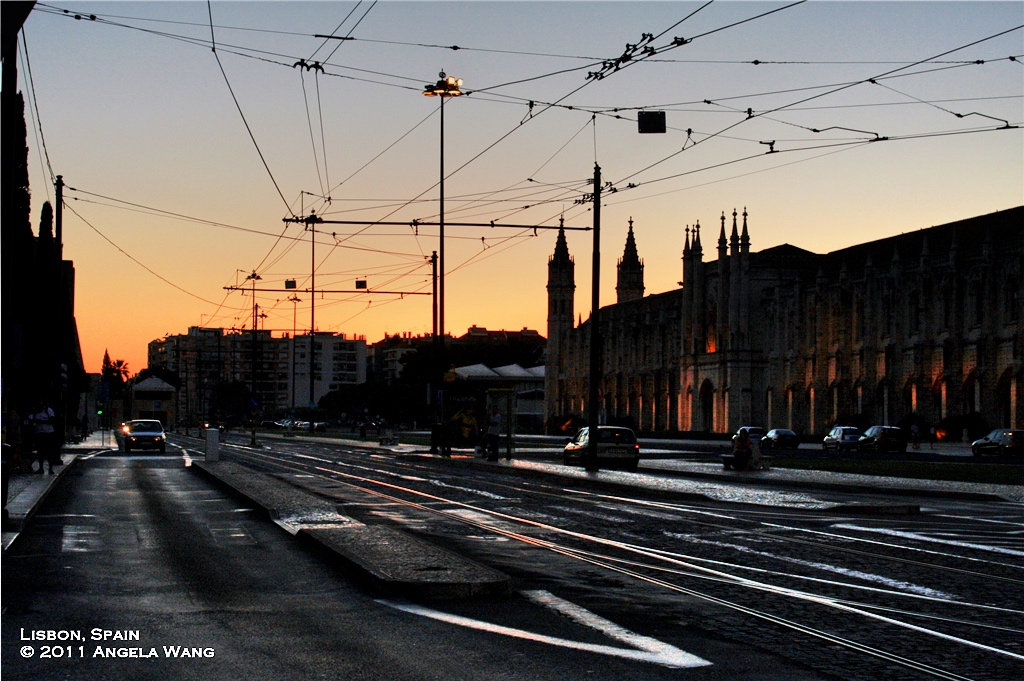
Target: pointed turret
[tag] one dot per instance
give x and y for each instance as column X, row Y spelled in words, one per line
column 630, row 284
column 561, row 291
column 734, row 238
column 723, row 245
column 745, row 236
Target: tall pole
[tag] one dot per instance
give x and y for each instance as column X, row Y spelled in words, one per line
column 312, row 312
column 295, row 325
column 58, row 234
column 440, row 312
column 433, row 278
column 448, row 86
column 595, row 333
column 252, row 368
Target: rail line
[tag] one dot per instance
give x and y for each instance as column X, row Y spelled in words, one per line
column 664, row 562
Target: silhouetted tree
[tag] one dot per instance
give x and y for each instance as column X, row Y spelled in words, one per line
column 114, row 373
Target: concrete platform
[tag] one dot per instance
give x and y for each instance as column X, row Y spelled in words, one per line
column 388, row 559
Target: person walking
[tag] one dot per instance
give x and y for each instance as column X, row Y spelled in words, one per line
column 45, row 436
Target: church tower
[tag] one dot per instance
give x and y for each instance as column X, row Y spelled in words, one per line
column 561, row 291
column 630, row 282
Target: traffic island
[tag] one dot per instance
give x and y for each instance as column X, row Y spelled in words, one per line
column 387, row 559
column 400, row 564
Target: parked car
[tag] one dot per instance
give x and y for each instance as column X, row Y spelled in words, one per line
column 616, row 446
column 144, row 434
column 841, row 438
column 780, row 438
column 1000, row 442
column 880, row 439
column 755, row 433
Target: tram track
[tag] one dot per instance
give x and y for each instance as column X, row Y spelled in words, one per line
column 663, row 565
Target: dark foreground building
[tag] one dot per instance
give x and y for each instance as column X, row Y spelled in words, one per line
column 922, row 327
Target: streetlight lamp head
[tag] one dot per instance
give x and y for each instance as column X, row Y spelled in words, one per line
column 448, row 86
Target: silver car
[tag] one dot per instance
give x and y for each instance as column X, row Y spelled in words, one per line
column 144, row 434
column 616, row 447
column 841, row 438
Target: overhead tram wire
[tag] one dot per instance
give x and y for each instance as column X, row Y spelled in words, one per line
column 675, row 44
column 137, row 261
column 818, row 96
column 368, row 9
column 35, row 113
column 614, row 112
column 342, row 23
column 242, row 114
column 147, row 210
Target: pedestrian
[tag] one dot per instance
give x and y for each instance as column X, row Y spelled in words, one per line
column 934, row 437
column 44, row 436
column 915, row 434
column 493, row 434
column 741, row 450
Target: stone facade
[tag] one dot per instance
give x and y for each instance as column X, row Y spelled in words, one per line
column 923, row 326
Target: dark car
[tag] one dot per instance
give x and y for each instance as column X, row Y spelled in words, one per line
column 841, row 438
column 780, row 438
column 144, row 434
column 881, row 439
column 616, row 447
column 1000, row 442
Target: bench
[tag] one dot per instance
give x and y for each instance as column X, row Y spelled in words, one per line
column 729, row 460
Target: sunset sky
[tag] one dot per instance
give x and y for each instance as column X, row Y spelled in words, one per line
column 832, row 123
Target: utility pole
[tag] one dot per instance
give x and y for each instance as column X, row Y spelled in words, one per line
column 310, row 225
column 595, row 332
column 295, row 300
column 253, row 400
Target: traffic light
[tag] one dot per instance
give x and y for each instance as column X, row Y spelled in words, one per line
column 99, row 412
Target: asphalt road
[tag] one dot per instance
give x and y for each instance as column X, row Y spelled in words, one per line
column 135, row 562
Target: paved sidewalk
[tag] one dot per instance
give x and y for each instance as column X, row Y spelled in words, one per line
column 27, row 491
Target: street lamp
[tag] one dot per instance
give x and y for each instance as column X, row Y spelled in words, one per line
column 447, row 86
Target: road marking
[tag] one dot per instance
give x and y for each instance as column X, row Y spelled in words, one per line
column 923, row 537
column 645, row 649
column 79, row 538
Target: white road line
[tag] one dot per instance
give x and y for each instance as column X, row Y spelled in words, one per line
column 646, row 649
column 79, row 538
column 926, row 538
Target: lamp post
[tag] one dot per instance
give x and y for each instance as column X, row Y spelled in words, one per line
column 447, row 86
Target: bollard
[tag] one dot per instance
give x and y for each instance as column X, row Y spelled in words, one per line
column 212, row 444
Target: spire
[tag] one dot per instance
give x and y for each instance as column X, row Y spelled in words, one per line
column 630, row 284
column 630, row 255
column 686, row 244
column 561, row 255
column 745, row 236
column 734, row 238
column 698, row 251
column 722, row 243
